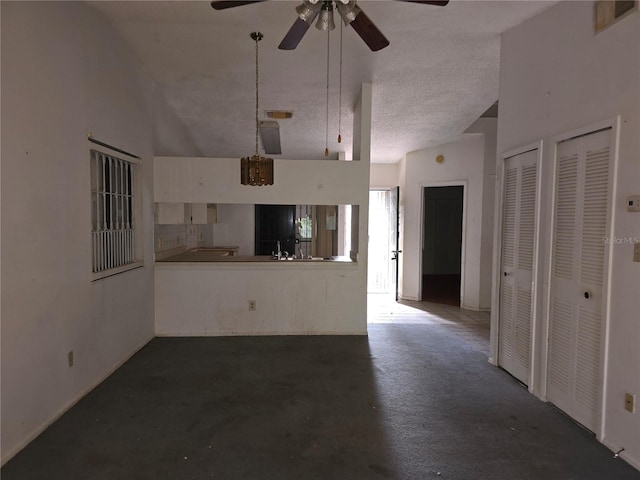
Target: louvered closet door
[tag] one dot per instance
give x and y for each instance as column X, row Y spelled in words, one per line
column 582, row 202
column 518, row 233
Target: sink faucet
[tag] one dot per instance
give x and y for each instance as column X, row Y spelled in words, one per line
column 278, row 253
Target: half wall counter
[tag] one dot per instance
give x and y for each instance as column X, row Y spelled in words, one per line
column 199, row 294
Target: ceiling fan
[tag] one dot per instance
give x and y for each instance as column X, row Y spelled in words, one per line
column 350, row 13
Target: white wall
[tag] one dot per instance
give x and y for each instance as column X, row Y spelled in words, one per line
column 65, row 73
column 557, row 76
column 488, row 127
column 217, row 180
column 292, row 298
column 236, row 227
column 384, row 175
column 464, row 164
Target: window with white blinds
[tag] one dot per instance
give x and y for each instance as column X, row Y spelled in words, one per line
column 113, row 198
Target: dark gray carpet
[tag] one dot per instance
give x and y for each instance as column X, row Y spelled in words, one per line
column 409, row 402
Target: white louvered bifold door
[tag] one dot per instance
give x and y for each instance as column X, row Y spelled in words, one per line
column 581, row 215
column 518, row 233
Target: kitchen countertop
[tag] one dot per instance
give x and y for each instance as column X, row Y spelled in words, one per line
column 195, row 253
column 200, row 255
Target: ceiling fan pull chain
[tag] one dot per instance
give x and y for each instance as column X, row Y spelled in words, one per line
column 340, row 94
column 326, row 140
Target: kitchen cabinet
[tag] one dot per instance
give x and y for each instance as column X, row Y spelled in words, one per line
column 203, row 213
column 196, row 213
column 186, row 213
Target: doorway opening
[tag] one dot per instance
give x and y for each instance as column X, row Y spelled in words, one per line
column 442, row 244
column 382, row 267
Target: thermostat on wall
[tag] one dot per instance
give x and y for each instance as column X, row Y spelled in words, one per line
column 633, row 203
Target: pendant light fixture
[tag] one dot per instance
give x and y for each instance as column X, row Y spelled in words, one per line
column 256, row 170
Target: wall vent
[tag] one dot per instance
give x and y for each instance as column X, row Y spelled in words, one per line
column 607, row 12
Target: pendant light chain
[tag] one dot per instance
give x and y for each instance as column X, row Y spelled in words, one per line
column 258, row 37
column 340, row 93
column 326, row 141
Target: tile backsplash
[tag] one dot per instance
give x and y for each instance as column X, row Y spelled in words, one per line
column 179, row 237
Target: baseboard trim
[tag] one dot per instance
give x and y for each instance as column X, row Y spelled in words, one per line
column 475, row 309
column 407, row 297
column 41, row 428
column 624, row 455
column 258, row 334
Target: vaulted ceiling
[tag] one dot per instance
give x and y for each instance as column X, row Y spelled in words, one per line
column 437, row 76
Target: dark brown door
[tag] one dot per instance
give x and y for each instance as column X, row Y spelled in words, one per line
column 273, row 223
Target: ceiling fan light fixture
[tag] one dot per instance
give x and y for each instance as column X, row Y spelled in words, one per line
column 325, row 19
column 348, row 11
column 308, row 10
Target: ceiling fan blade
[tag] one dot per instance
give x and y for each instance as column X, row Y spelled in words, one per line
column 224, row 4
column 437, row 3
column 373, row 37
column 294, row 35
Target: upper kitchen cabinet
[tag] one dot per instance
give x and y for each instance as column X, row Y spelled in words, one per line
column 203, row 213
column 174, row 213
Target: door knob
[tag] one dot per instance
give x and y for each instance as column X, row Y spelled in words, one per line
column 587, row 294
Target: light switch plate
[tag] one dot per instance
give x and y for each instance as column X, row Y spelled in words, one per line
column 633, row 203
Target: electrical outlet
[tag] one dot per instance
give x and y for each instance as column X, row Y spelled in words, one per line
column 252, row 305
column 70, row 358
column 629, row 402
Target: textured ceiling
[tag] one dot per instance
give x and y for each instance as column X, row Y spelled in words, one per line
column 439, row 74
